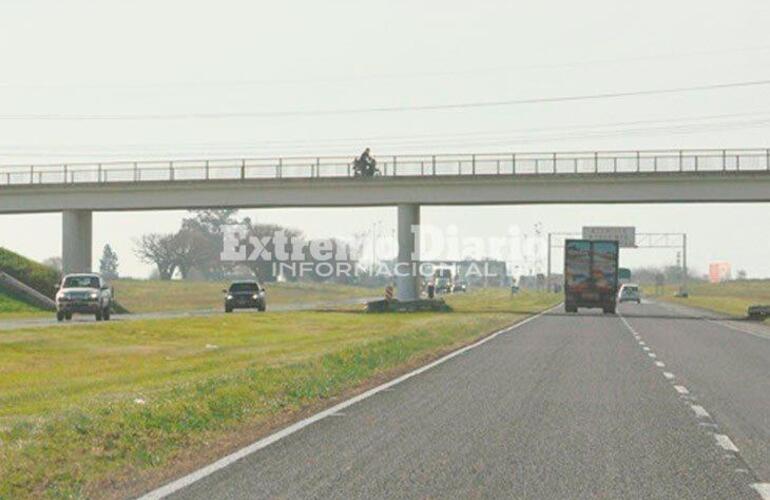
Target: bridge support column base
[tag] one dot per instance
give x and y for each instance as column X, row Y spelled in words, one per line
column 407, row 270
column 76, row 241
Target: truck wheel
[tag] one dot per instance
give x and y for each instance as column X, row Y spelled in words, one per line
column 262, row 307
column 106, row 314
column 68, row 316
column 571, row 309
column 609, row 310
column 59, row 316
column 98, row 315
column 228, row 309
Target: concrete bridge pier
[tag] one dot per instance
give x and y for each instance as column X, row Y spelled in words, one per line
column 76, row 241
column 407, row 276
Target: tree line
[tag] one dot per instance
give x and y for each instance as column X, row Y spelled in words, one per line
column 194, row 251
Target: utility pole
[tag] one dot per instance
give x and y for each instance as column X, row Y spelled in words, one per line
column 548, row 271
column 684, row 264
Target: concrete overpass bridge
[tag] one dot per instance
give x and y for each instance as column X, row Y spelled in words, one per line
column 409, row 181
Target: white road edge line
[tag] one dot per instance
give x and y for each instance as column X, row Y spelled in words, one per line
column 720, row 322
column 220, row 464
column 726, row 443
column 735, row 328
column 763, row 489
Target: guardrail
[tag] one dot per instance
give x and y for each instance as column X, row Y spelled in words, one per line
column 597, row 162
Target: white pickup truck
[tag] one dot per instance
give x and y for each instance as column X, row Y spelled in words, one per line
column 83, row 294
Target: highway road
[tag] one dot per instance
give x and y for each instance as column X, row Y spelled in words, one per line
column 653, row 403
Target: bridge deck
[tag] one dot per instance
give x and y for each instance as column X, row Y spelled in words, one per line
column 660, row 187
column 516, row 164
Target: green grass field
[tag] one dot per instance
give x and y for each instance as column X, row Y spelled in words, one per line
column 95, row 410
column 11, row 308
column 139, row 296
column 732, row 297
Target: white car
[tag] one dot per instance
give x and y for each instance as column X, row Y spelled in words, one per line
column 630, row 293
column 83, row 294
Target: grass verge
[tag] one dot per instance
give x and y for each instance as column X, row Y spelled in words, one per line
column 111, row 409
column 139, row 296
column 12, row 308
column 731, row 297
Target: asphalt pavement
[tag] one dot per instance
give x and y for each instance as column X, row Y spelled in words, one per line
column 653, row 403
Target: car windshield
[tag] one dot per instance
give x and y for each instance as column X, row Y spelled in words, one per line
column 244, row 287
column 81, row 282
column 630, row 290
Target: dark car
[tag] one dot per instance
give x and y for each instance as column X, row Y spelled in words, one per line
column 245, row 295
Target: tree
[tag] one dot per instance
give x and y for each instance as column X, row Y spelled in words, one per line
column 203, row 238
column 742, row 274
column 161, row 250
column 53, row 263
column 108, row 264
column 192, row 249
column 265, row 266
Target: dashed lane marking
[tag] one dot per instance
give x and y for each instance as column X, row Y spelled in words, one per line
column 726, row 443
column 722, row 440
column 700, row 411
column 763, row 489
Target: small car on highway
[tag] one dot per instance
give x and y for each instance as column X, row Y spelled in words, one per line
column 247, row 294
column 83, row 294
column 630, row 293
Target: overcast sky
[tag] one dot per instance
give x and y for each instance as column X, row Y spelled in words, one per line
column 66, row 65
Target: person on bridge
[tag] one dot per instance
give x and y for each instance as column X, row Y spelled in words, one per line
column 366, row 165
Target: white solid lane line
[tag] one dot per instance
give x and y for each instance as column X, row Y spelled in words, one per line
column 741, row 330
column 725, row 442
column 224, row 462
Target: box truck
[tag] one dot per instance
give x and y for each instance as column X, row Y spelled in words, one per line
column 591, row 274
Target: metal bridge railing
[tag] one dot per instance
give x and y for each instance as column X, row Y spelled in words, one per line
column 507, row 164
